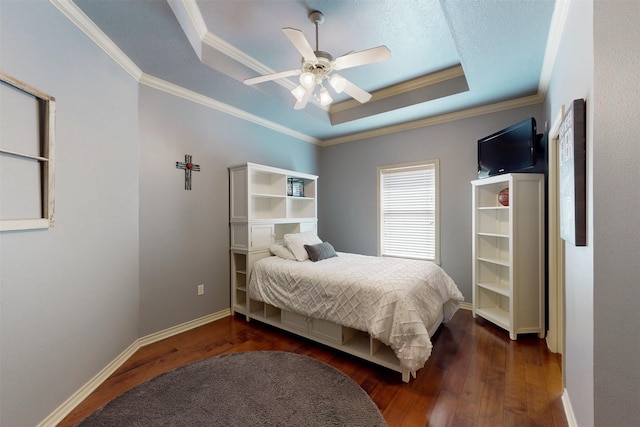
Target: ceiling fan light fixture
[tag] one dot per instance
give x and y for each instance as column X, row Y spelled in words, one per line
column 318, row 66
column 307, row 79
column 298, row 92
column 325, row 98
column 337, row 82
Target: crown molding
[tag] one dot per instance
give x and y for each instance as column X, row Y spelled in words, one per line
column 190, row 18
column 556, row 28
column 404, row 87
column 226, row 48
column 212, row 41
column 191, row 22
column 196, row 24
column 435, row 120
column 91, row 30
column 196, row 21
column 198, row 98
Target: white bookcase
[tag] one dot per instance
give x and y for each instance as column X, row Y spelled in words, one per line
column 265, row 204
column 508, row 252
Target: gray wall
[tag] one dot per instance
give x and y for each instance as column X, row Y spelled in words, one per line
column 597, row 61
column 69, row 295
column 184, row 235
column 616, row 223
column 130, row 244
column 348, row 197
column 573, row 79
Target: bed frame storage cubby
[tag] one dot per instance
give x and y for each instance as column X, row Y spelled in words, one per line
column 349, row 340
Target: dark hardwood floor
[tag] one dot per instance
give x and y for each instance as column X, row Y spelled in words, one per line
column 476, row 376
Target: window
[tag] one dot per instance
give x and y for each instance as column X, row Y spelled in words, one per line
column 26, row 156
column 408, row 218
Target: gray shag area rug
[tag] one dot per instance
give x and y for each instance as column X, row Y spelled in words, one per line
column 258, row 388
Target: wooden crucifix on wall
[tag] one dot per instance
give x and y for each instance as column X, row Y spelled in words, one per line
column 188, row 168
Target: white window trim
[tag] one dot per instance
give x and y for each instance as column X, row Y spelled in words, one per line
column 407, row 166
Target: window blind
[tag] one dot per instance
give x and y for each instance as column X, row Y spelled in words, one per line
column 408, row 208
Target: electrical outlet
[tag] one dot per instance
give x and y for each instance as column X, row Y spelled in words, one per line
column 201, row 289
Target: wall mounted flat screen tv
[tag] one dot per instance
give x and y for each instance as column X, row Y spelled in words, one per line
column 513, row 149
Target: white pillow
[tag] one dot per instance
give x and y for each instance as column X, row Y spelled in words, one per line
column 296, row 243
column 282, row 251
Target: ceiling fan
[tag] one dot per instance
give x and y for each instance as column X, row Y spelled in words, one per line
column 318, row 66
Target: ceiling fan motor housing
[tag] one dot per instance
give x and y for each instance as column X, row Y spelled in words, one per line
column 322, row 68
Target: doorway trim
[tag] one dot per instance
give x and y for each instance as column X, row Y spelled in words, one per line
column 555, row 257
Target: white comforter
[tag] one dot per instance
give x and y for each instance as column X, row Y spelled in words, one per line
column 395, row 300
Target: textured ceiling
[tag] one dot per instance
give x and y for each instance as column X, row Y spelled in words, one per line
column 419, row 45
column 496, row 49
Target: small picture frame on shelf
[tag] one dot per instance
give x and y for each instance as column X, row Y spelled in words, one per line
column 295, row 187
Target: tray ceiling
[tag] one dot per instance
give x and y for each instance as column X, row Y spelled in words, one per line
column 447, row 56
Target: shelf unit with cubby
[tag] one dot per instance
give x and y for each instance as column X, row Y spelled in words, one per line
column 508, row 252
column 265, row 204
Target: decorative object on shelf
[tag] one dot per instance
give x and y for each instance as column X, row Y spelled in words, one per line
column 188, row 168
column 295, row 187
column 573, row 161
column 503, row 196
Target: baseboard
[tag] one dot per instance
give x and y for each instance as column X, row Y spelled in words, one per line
column 175, row 330
column 466, row 306
column 75, row 399
column 568, row 410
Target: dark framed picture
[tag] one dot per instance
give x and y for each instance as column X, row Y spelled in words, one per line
column 573, row 180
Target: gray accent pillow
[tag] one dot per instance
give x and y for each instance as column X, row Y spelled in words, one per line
column 320, row 251
column 296, row 241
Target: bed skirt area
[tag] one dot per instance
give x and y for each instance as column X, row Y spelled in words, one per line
column 385, row 309
column 354, row 342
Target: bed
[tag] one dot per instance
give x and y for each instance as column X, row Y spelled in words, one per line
column 396, row 302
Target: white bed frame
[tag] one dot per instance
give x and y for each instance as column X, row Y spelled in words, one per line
column 349, row 340
column 261, row 212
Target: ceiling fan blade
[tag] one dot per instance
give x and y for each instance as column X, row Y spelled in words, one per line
column 357, row 93
column 369, row 56
column 273, row 76
column 300, row 42
column 305, row 98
